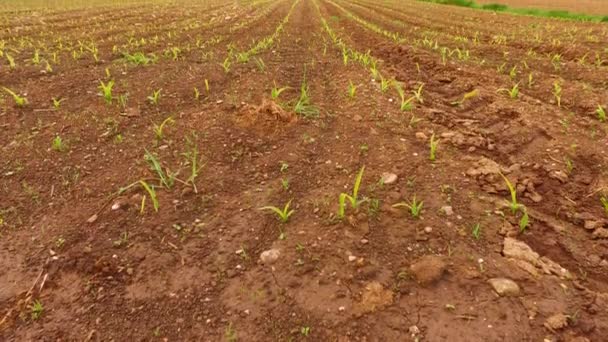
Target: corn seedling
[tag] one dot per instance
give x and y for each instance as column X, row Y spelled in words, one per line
column 275, row 92
column 513, row 92
column 166, row 179
column 604, row 201
column 601, row 113
column 58, row 144
column 152, row 193
column 467, row 96
column 530, row 80
column 155, row 97
column 418, row 93
column 569, row 165
column 414, row 206
column 433, row 144
column 158, row 129
column 514, row 205
column 20, row 101
column 303, row 106
column 353, row 198
column 195, row 162
column 476, row 232
column 260, row 64
column 406, row 104
column 513, row 73
column 207, row 85
column 36, row 58
column 57, row 102
column 226, row 64
column 11, row 61
column 524, row 222
column 283, row 214
column 36, row 309
column 384, row 84
column 352, row 89
column 557, row 93
column 106, row 90
column 197, row 94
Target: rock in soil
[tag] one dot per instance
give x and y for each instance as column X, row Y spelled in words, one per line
column 556, row 322
column 389, row 178
column 270, row 256
column 505, row 287
column 428, row 269
column 600, row 233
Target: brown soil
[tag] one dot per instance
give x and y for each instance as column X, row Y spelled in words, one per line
column 104, row 267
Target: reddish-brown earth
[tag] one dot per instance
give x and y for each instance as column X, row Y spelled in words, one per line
column 104, row 268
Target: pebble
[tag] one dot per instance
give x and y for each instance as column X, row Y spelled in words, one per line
column 92, row 219
column 447, row 210
column 389, row 178
column 428, row 230
column 505, row 287
column 352, row 258
column 357, row 117
column 364, row 241
column 556, row 322
column 428, row 269
column 421, row 136
column 270, row 256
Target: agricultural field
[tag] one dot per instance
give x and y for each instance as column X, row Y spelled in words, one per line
column 301, row 170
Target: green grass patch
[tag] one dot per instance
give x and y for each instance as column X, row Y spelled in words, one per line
column 497, row 7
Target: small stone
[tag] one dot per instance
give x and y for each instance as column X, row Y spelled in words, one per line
column 388, row 178
column 116, row 206
column 341, row 309
column 414, row 330
column 270, row 256
column 428, row 269
column 600, row 233
column 421, row 136
column 130, row 270
column 428, row 230
column 505, row 287
column 556, row 322
column 447, row 210
column 352, row 258
column 357, row 117
column 591, row 225
column 364, row 241
column 92, row 219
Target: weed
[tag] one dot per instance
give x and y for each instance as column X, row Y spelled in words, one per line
column 11, row 61
column 284, row 214
column 524, row 221
column 260, row 64
column 36, row 309
column 106, row 90
column 166, row 179
column 285, row 183
column 20, row 101
column 414, row 206
column 155, row 97
column 353, row 198
column 230, row 333
column 158, row 129
column 433, row 144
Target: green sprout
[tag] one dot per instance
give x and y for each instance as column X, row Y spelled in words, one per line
column 158, row 129
column 467, row 96
column 604, row 200
column 283, row 214
column 557, row 93
column 106, row 90
column 57, row 102
column 418, row 93
column 304, row 106
column 414, row 206
column 433, row 144
column 353, row 198
column 406, row 104
column 601, row 113
column 155, row 97
column 476, row 232
column 276, row 91
column 226, row 64
column 513, row 92
column 36, row 309
column 514, row 205
column 20, row 101
column 524, row 221
column 58, row 145
column 352, row 89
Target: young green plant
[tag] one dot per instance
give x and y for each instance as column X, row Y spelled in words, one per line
column 20, row 101
column 433, row 145
column 353, row 198
column 414, row 206
column 106, row 90
column 155, row 97
column 282, row 214
column 158, row 129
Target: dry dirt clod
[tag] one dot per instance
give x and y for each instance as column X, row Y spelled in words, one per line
column 600, row 233
column 428, row 269
column 505, row 287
